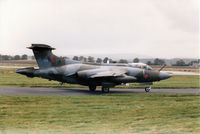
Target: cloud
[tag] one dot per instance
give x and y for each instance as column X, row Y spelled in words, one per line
column 147, row 27
column 183, row 14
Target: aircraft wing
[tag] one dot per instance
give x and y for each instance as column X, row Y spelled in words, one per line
column 106, row 74
column 98, row 73
column 117, row 75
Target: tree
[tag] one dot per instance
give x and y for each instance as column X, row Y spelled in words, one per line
column 193, row 62
column 180, row 63
column 110, row 61
column 91, row 59
column 123, row 61
column 99, row 60
column 136, row 60
column 149, row 63
column 84, row 59
column 75, row 58
column 24, row 57
column 17, row 57
column 81, row 58
column 5, row 57
column 64, row 57
column 105, row 60
column 159, row 62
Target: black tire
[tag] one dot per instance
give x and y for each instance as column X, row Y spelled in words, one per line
column 105, row 89
column 92, row 88
column 147, row 89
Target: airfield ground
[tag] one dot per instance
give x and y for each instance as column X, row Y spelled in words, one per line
column 134, row 113
column 104, row 113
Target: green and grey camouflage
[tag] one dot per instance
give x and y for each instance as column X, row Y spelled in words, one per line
column 64, row 70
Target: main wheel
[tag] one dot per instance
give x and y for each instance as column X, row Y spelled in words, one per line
column 105, row 89
column 92, row 87
column 147, row 89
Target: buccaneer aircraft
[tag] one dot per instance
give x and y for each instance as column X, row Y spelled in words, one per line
column 52, row 67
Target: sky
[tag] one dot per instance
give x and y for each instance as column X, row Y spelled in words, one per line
column 145, row 28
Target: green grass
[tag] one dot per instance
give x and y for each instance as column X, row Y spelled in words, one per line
column 109, row 114
column 8, row 77
column 176, row 81
column 154, row 114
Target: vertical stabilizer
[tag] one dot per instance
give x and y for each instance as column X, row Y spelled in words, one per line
column 44, row 56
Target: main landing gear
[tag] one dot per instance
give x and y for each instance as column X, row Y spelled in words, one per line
column 92, row 88
column 147, row 89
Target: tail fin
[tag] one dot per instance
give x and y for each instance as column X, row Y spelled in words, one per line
column 44, row 56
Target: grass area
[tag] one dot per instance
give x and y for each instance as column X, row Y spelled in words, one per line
column 8, row 77
column 176, row 81
column 108, row 114
column 145, row 113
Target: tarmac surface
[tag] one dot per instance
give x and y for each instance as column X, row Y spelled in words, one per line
column 85, row 92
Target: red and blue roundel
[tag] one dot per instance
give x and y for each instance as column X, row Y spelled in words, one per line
column 146, row 76
column 51, row 59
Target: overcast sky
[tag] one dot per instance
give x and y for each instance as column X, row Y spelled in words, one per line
column 156, row 28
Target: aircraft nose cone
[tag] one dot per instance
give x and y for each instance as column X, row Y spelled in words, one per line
column 164, row 75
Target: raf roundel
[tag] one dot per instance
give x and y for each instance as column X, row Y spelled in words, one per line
column 146, row 75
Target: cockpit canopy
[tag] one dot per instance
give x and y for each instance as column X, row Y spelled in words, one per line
column 140, row 65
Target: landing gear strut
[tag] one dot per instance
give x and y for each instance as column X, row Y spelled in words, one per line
column 105, row 89
column 92, row 87
column 147, row 89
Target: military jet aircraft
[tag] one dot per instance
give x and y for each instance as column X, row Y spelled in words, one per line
column 52, row 67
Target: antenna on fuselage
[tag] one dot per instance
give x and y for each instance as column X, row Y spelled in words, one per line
column 162, row 67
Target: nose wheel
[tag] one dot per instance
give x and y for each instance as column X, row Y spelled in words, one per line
column 92, row 88
column 147, row 89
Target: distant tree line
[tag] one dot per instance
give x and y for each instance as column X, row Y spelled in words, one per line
column 156, row 61
column 182, row 63
column 91, row 59
column 98, row 60
column 15, row 57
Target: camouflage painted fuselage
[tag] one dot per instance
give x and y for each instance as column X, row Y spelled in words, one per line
column 68, row 71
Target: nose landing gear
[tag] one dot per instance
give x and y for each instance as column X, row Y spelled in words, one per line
column 147, row 89
column 105, row 89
